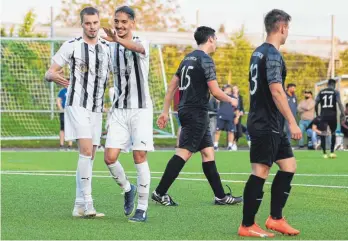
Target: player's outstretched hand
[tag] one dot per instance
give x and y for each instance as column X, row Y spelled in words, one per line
column 111, row 35
column 295, row 131
column 162, row 120
column 58, row 78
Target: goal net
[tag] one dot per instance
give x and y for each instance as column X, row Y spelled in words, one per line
column 28, row 102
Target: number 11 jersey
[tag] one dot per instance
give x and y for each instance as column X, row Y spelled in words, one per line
column 194, row 73
column 266, row 67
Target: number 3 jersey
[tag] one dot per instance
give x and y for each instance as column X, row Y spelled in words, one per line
column 266, row 67
column 328, row 102
column 194, row 73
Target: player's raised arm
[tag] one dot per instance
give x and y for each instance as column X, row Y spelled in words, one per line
column 273, row 68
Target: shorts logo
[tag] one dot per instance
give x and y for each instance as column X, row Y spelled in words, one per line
column 143, row 143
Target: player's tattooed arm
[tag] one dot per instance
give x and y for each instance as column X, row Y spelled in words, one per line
column 163, row 118
column 55, row 74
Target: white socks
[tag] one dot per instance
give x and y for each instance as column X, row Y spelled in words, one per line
column 117, row 172
column 79, row 200
column 143, row 182
column 84, row 178
column 216, row 144
column 230, row 144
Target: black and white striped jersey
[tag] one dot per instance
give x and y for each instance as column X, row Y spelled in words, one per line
column 89, row 72
column 131, row 72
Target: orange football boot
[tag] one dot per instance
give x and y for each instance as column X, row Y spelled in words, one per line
column 281, row 226
column 254, row 231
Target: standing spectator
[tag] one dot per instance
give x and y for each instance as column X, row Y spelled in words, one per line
column 61, row 99
column 225, row 120
column 239, row 129
column 176, row 107
column 292, row 100
column 213, row 107
column 306, row 110
column 344, row 128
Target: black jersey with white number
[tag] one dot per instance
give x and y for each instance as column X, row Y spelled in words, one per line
column 266, row 67
column 327, row 99
column 194, row 72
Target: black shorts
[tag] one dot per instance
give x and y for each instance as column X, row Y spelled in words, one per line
column 61, row 119
column 225, row 125
column 195, row 132
column 328, row 121
column 267, row 148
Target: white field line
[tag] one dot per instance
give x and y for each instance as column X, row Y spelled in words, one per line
column 179, row 178
column 183, row 173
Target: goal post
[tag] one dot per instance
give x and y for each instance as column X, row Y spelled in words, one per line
column 28, row 102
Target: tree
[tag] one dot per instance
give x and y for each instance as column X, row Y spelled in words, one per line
column 12, row 30
column 26, row 28
column 222, row 28
column 343, row 68
column 2, row 32
column 152, row 15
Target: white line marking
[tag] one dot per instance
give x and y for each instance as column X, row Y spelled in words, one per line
column 184, row 173
column 179, row 178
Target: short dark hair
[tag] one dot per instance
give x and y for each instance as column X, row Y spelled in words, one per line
column 273, row 18
column 308, row 92
column 127, row 10
column 346, row 105
column 332, row 82
column 88, row 11
column 290, row 85
column 202, row 34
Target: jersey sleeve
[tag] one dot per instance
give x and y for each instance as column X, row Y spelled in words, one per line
column 274, row 68
column 146, row 46
column 63, row 56
column 208, row 67
column 179, row 70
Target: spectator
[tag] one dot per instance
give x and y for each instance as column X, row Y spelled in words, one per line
column 225, row 120
column 213, row 107
column 176, row 107
column 344, row 128
column 312, row 133
column 61, row 99
column 239, row 129
column 292, row 100
column 306, row 110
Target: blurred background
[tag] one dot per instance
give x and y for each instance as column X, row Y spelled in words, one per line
column 32, row 31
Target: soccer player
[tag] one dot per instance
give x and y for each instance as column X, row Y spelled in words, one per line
column 328, row 99
column 269, row 109
column 61, row 101
column 131, row 122
column 88, row 58
column 195, row 77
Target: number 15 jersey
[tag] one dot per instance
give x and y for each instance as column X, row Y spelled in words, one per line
column 194, row 73
column 266, row 67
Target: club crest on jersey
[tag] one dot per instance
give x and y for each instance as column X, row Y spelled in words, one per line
column 83, row 67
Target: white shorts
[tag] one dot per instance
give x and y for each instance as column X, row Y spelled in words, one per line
column 130, row 129
column 81, row 123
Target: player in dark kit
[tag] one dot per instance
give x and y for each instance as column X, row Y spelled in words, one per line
column 195, row 77
column 269, row 109
column 328, row 99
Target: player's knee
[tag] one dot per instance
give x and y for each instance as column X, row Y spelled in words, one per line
column 86, row 151
column 207, row 154
column 139, row 156
column 289, row 165
column 260, row 170
column 183, row 153
column 110, row 157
